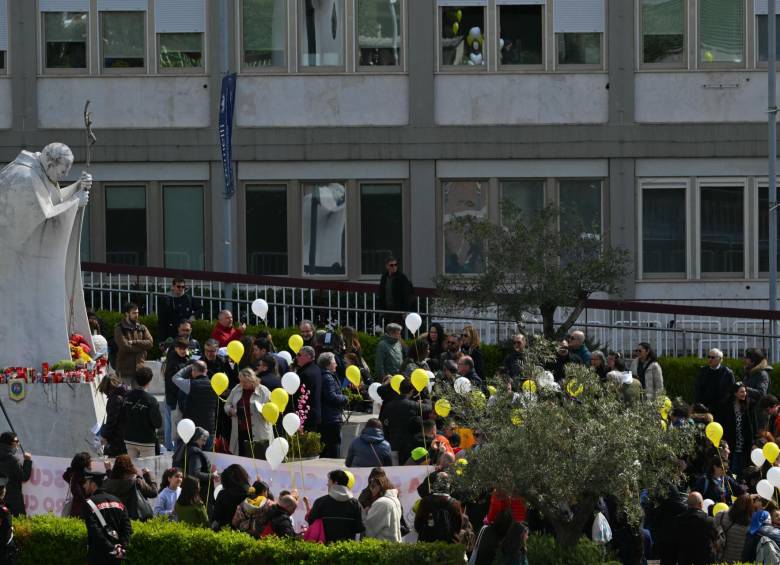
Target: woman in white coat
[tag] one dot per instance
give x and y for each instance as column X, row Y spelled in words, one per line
column 383, row 518
column 646, row 369
column 248, row 423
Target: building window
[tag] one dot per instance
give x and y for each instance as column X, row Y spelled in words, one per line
column 321, row 33
column 462, row 35
column 381, row 226
column 761, row 30
column 264, row 33
column 579, row 48
column 123, row 40
column 324, row 229
column 266, row 229
column 379, row 33
column 461, row 199
column 663, row 32
column 763, row 230
column 180, row 51
column 722, row 229
column 581, row 199
column 525, row 196
column 663, row 230
column 65, row 40
column 721, row 32
column 183, row 227
column 521, row 35
column 126, row 224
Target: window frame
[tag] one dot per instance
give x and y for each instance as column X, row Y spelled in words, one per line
column 686, row 59
column 488, row 34
column 160, row 70
column 290, row 209
column 303, row 183
column 386, row 69
column 405, row 255
column 500, row 183
column 603, row 200
column 705, row 66
column 149, row 198
column 186, row 184
column 547, row 20
column 757, row 63
column 290, row 45
column 124, row 71
column 644, row 184
column 345, row 65
column 487, row 183
column 59, row 71
column 581, row 67
column 724, row 182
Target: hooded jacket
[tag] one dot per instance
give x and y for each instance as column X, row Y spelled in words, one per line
column 124, row 490
column 757, row 381
column 340, row 514
column 695, row 534
column 402, row 422
column 383, row 517
column 370, row 449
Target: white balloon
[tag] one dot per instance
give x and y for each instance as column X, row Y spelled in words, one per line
column 757, row 457
column 773, row 476
column 286, row 356
column 282, row 446
column 260, row 308
column 217, row 490
column 462, row 385
column 765, row 489
column 706, row 504
column 373, row 392
column 186, row 429
column 273, row 455
column 413, row 322
column 291, row 423
column 291, row 382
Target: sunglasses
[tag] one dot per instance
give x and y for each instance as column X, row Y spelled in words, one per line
column 392, row 264
column 712, row 357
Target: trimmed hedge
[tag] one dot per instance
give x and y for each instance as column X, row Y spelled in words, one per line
column 50, row 539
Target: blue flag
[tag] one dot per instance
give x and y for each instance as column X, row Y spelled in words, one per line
column 227, row 102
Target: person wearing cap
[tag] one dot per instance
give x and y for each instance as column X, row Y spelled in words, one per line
column 198, row 465
column 108, row 525
column 389, row 352
column 419, row 456
column 17, row 467
column 8, row 549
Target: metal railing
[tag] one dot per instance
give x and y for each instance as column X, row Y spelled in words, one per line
column 672, row 329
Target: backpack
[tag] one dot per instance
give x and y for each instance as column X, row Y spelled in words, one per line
column 720, row 541
column 767, row 553
column 438, row 525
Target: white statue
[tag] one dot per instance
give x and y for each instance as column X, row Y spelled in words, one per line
column 41, row 295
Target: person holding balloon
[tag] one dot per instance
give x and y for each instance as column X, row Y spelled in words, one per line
column 224, row 332
column 248, row 425
column 201, row 402
column 333, row 402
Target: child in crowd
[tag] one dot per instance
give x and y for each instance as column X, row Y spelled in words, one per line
column 189, row 507
column 169, row 493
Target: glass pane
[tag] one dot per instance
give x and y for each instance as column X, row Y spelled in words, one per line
column 722, row 230
column 721, row 31
column 525, row 195
column 581, row 199
column 66, row 40
column 183, row 227
column 264, row 30
column 663, row 230
column 761, row 25
column 321, row 33
column 379, row 32
column 86, row 246
column 521, row 35
column 181, row 50
column 122, row 35
column 2, row 59
column 763, row 230
column 663, row 31
column 266, row 230
column 381, row 226
column 579, row 48
column 462, row 35
column 462, row 198
column 126, row 225
column 324, row 229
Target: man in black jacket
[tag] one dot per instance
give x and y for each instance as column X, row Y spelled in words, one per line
column 516, row 359
column 141, row 417
column 17, row 466
column 200, row 405
column 395, row 291
column 402, row 421
column 695, row 534
column 174, row 308
column 175, row 360
column 105, row 543
column 311, row 378
column 714, row 384
column 338, row 510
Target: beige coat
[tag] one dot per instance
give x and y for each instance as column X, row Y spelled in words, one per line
column 261, row 428
column 654, row 379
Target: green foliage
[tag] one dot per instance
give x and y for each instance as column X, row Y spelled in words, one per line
column 543, row 550
column 50, row 539
column 309, row 443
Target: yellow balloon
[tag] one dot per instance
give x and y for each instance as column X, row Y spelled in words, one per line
column 492, row 390
column 235, row 350
column 280, row 397
column 459, row 15
column 443, row 407
column 219, row 382
column 714, row 432
column 455, row 28
column 270, row 412
column 516, row 417
column 770, row 451
column 353, row 375
column 574, row 390
column 419, row 379
column 529, row 386
column 350, row 479
column 667, row 404
column 295, row 342
column 719, row 507
column 395, row 383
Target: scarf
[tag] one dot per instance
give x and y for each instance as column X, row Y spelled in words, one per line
column 758, row 520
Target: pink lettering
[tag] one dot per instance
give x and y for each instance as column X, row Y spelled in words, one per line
column 48, row 504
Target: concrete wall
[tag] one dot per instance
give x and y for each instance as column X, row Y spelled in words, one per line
column 498, row 99
column 6, row 108
column 685, row 97
column 295, row 101
column 126, row 102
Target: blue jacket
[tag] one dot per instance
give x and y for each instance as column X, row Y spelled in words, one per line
column 332, row 401
column 370, row 449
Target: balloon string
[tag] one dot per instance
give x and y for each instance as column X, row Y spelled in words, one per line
column 213, row 451
column 300, row 461
column 725, row 475
column 422, row 427
column 251, row 439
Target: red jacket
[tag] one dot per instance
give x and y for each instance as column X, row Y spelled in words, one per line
column 500, row 502
column 225, row 335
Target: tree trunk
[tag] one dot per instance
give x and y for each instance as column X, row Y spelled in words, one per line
column 567, row 535
column 548, row 320
column 563, row 329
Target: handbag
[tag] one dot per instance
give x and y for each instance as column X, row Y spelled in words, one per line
column 143, row 510
column 475, row 551
column 68, row 505
column 316, row 532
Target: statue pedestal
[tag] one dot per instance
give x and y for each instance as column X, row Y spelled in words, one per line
column 55, row 419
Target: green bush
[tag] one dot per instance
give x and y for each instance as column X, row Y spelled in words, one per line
column 542, row 550
column 50, row 539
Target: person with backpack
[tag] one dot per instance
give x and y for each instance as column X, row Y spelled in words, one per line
column 132, row 490
column 439, row 516
column 278, row 520
column 370, row 449
column 108, row 525
column 338, row 510
column 735, row 525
